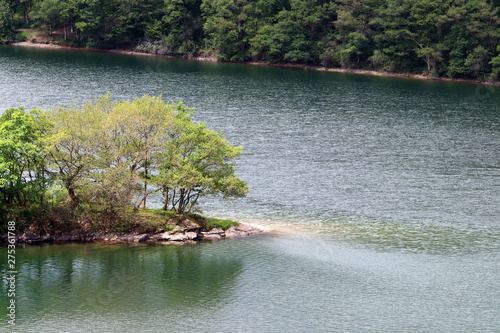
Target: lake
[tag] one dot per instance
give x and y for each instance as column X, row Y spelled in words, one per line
column 383, row 194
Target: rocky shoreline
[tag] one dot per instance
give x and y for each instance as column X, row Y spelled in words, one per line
column 187, row 231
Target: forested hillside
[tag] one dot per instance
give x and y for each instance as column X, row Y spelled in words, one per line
column 450, row 38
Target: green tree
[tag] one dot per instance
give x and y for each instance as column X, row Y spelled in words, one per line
column 230, row 25
column 297, row 33
column 136, row 132
column 48, row 12
column 197, row 162
column 356, row 27
column 495, row 64
column 6, row 21
column 182, row 26
column 23, row 172
column 478, row 61
column 75, row 143
column 224, row 27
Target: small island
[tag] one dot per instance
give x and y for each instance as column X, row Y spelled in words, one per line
column 85, row 172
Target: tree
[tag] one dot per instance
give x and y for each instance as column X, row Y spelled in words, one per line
column 230, row 25
column 197, row 162
column 49, row 12
column 478, row 61
column 75, row 143
column 6, row 22
column 224, row 26
column 355, row 29
column 495, row 64
column 136, row 132
column 116, row 154
column 23, row 172
column 297, row 33
column 183, row 26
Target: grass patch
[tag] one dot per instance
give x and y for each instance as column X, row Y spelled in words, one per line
column 27, row 35
column 218, row 223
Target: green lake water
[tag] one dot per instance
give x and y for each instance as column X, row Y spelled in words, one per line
column 384, row 195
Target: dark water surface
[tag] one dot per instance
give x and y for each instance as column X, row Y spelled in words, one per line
column 386, row 193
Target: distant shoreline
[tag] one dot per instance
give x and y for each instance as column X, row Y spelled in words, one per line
column 261, row 63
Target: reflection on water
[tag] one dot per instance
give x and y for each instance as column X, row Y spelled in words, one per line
column 85, row 280
column 295, row 283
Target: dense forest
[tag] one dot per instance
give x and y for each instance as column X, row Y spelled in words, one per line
column 450, row 38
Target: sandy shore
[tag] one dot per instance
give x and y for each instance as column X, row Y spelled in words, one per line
column 258, row 63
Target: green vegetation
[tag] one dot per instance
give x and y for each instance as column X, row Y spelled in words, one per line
column 450, row 38
column 218, row 223
column 93, row 166
column 27, row 35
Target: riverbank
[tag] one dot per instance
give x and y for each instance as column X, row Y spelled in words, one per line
column 185, row 232
column 63, row 224
column 47, row 45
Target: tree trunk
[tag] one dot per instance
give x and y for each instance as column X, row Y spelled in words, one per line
column 180, row 206
column 194, row 202
column 72, row 197
column 145, row 180
column 165, row 206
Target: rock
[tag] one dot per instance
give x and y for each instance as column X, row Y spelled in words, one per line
column 165, row 236
column 210, row 236
column 47, row 238
column 191, row 235
column 141, row 238
column 231, row 232
column 74, row 238
column 214, row 234
column 189, row 225
column 184, row 236
column 32, row 238
column 176, row 229
column 63, row 238
column 178, row 237
column 241, row 230
column 187, row 231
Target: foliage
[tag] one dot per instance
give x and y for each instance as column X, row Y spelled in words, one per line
column 197, row 162
column 6, row 21
column 101, row 157
column 454, row 38
column 296, row 34
column 23, row 172
column 75, row 143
